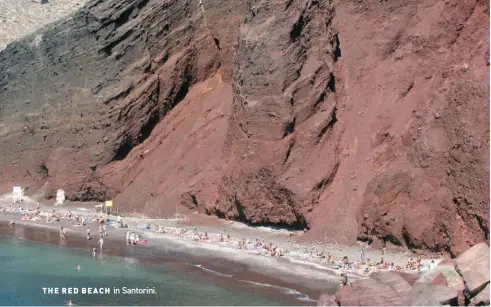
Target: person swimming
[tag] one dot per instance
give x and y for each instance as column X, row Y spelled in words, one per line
column 78, row 267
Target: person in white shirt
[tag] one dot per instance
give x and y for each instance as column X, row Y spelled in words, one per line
column 128, row 238
column 101, row 242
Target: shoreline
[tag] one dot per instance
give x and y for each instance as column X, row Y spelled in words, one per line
column 187, row 267
column 298, row 267
column 178, row 256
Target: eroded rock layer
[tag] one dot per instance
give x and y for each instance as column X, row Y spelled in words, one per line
column 355, row 119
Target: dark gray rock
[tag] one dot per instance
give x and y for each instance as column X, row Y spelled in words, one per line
column 482, row 298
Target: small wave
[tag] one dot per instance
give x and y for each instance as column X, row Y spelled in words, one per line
column 306, row 298
column 298, row 295
column 291, row 291
column 211, row 271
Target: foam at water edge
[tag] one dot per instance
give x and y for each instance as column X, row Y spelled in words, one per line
column 298, row 295
column 211, row 271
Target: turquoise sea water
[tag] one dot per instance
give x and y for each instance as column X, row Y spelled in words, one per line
column 26, row 268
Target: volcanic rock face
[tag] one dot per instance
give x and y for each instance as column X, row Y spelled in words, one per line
column 355, row 119
column 422, row 127
column 85, row 92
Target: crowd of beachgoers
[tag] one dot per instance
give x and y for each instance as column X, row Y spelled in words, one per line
column 362, row 266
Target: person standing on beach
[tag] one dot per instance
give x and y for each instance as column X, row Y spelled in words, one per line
column 101, row 242
column 88, row 233
column 94, row 251
column 383, row 254
column 104, row 230
column 128, row 238
column 344, row 279
column 362, row 255
column 100, row 231
column 62, row 233
column 419, row 263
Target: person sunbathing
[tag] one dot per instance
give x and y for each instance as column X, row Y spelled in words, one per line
column 411, row 264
